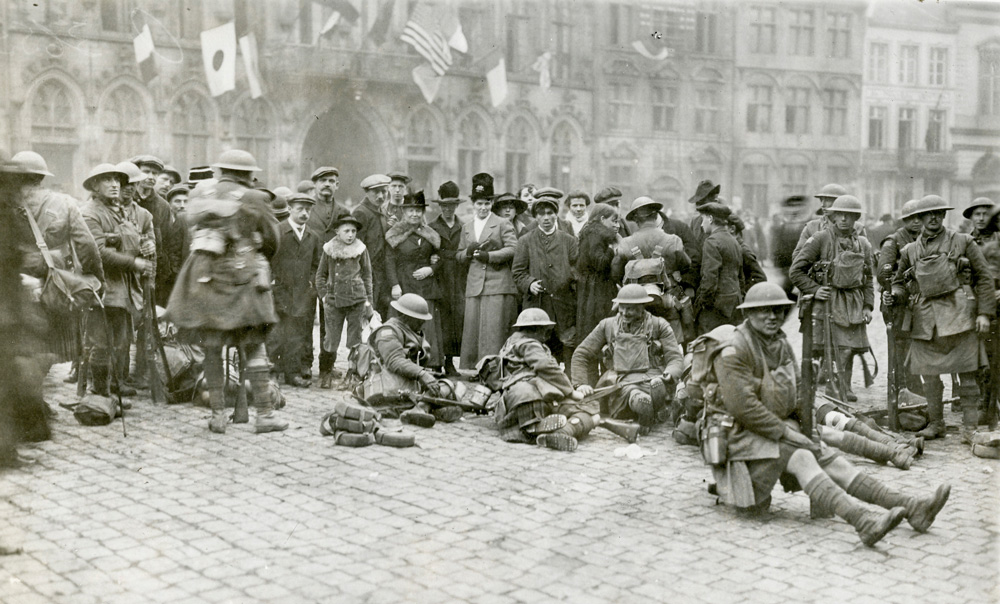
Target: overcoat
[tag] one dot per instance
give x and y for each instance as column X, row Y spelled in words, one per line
column 492, row 277
column 549, row 259
column 122, row 285
column 595, row 288
column 294, row 269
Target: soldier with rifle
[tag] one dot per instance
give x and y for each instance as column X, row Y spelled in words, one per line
column 762, row 441
column 986, row 233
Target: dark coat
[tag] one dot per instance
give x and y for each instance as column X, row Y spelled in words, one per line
column 407, row 251
column 549, row 259
column 167, row 261
column 451, row 277
column 122, row 285
column 345, row 271
column 60, row 221
column 374, row 224
column 294, row 269
column 595, row 289
column 672, row 226
column 323, row 217
column 752, row 272
column 721, row 266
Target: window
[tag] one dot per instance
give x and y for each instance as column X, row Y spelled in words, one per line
column 838, row 33
column 801, row 32
column 797, row 110
column 755, row 177
column 620, row 24
column 796, row 180
column 561, row 164
column 935, row 130
column 908, row 64
column 253, row 130
column 518, row 49
column 519, row 143
column 112, row 16
column 878, row 62
column 51, row 111
column 664, row 105
column 123, row 118
column 422, row 143
column 562, row 29
column 907, row 126
column 938, row 72
column 875, row 188
column 622, row 170
column 762, row 29
column 705, row 31
column 706, row 111
column 876, row 127
column 620, row 106
column 834, row 111
column 471, row 147
column 191, row 130
column 759, row 109
column 989, row 80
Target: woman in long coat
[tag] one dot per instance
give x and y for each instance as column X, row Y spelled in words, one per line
column 487, row 248
column 412, row 258
column 595, row 288
column 222, row 296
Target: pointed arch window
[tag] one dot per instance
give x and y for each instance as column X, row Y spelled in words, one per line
column 254, row 131
column 422, row 149
column 564, row 141
column 471, row 147
column 520, row 139
column 52, row 112
column 123, row 118
column 191, row 132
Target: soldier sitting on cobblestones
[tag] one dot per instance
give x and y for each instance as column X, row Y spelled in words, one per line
column 755, row 407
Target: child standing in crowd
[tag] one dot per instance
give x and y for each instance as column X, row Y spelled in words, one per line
column 344, row 283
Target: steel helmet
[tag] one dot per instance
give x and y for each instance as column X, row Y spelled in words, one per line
column 237, row 159
column 765, row 294
column 29, row 162
column 412, row 305
column 101, row 170
column 633, row 293
column 134, row 173
column 979, row 202
column 909, row 208
column 643, row 202
column 831, row 190
column 931, row 203
column 534, row 317
column 847, row 204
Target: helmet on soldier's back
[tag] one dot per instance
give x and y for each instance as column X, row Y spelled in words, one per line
column 533, row 317
column 765, row 294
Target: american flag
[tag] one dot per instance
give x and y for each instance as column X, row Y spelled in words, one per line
column 423, row 33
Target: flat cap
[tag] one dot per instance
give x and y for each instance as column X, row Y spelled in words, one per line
column 324, row 171
column 399, row 176
column 608, row 195
column 375, row 181
column 301, row 198
column 715, row 210
column 548, row 192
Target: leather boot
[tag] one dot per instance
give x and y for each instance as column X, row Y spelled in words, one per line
column 560, row 441
column 970, row 419
column 847, row 366
column 920, row 511
column 419, row 415
column 101, row 373
column 935, row 413
column 217, row 401
column 627, row 430
column 900, row 455
column 74, row 373
column 448, row 414
column 326, row 380
column 267, row 420
column 871, row 526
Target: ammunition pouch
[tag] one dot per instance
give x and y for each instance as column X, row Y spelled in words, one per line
column 936, row 275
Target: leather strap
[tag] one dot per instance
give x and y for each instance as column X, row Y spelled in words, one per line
column 40, row 242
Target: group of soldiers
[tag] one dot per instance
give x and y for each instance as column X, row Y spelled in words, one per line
column 574, row 315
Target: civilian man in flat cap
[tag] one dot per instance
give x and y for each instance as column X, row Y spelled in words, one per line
column 612, row 196
column 148, row 199
column 398, row 183
column 375, row 221
column 451, row 275
column 721, row 265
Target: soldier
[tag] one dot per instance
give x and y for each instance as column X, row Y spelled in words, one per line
column 979, row 213
column 836, row 265
column 324, row 216
column 401, row 347
column 223, row 293
column 67, row 238
column 371, row 213
column 826, row 197
column 127, row 245
column 452, row 277
column 940, row 271
column 757, row 399
column 721, row 265
column 888, row 260
column 645, row 359
column 539, row 403
column 294, row 267
column 543, row 270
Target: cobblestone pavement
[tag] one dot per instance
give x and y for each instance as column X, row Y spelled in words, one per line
column 173, row 513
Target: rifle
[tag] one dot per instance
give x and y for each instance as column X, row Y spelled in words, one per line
column 807, row 388
column 993, row 394
column 149, row 325
column 416, row 397
column 830, row 361
column 83, row 364
column 892, row 372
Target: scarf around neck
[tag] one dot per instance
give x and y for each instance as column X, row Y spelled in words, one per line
column 401, row 230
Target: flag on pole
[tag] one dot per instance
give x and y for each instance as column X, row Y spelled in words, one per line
column 543, row 65
column 497, row 80
column 423, row 32
column 251, row 64
column 427, row 80
column 218, row 52
column 144, row 49
column 242, row 17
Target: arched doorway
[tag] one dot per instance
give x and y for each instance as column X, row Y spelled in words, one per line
column 342, row 138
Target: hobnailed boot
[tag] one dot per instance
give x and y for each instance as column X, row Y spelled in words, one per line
column 900, row 455
column 871, row 526
column 267, row 420
column 970, row 419
column 627, row 430
column 859, row 427
column 419, row 415
column 920, row 512
column 217, row 401
column 642, row 406
column 100, row 385
column 935, row 413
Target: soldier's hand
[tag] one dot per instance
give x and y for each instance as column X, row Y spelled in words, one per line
column 422, row 273
column 983, row 324
column 536, row 287
column 147, row 248
column 584, row 390
column 867, row 314
column 430, row 384
column 143, row 266
column 368, row 311
column 887, row 298
column 397, row 291
column 798, row 439
column 435, row 259
column 823, row 294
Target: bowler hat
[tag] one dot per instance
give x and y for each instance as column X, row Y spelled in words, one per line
column 324, row 171
column 482, row 186
column 280, row 208
column 704, row 191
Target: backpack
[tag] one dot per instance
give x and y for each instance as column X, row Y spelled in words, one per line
column 702, row 383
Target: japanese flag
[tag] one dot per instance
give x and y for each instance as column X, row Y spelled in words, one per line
column 218, row 52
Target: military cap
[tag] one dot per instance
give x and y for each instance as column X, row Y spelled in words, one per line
column 704, row 191
column 148, row 160
column 375, row 181
column 610, row 195
column 979, row 202
column 324, row 171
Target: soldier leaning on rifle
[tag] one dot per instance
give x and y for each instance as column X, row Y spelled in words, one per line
column 991, row 250
column 763, row 442
column 836, row 266
column 126, row 242
column 888, row 260
column 952, row 298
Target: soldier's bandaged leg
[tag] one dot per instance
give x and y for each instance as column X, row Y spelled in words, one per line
column 829, row 416
column 642, row 406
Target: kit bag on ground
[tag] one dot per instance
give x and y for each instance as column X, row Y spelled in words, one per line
column 95, row 410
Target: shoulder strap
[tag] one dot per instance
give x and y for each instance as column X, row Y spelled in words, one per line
column 39, row 241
